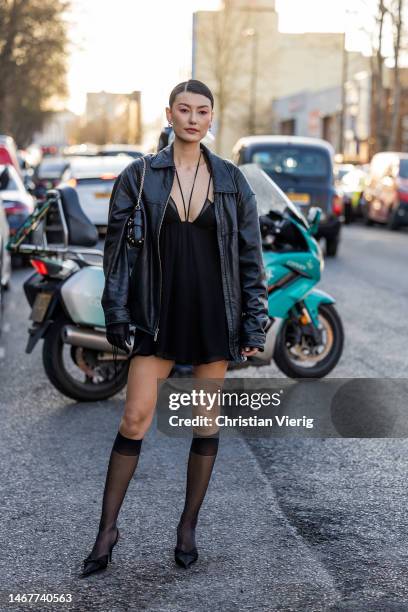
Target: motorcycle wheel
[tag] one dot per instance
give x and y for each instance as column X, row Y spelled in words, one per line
column 301, row 360
column 393, row 222
column 78, row 373
column 366, row 218
column 348, row 213
column 332, row 246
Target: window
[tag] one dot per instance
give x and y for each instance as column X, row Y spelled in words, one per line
column 403, row 168
column 292, row 161
column 288, row 127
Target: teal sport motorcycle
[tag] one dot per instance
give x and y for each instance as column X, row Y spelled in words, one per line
column 305, row 336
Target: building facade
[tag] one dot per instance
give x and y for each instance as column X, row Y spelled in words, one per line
column 113, row 117
column 250, row 66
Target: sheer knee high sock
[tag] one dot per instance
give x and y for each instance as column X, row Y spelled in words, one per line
column 122, row 464
column 201, row 459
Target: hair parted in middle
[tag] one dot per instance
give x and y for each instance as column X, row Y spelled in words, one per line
column 194, row 86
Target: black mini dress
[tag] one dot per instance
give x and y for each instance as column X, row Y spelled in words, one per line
column 193, row 325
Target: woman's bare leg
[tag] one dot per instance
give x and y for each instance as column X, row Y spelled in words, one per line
column 201, row 459
column 141, row 394
column 141, row 398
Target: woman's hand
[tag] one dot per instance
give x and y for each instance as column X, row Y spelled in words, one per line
column 118, row 334
column 249, row 351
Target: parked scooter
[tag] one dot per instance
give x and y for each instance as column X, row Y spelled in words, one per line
column 306, row 336
column 65, row 296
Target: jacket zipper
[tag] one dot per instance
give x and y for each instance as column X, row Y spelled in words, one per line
column 158, row 250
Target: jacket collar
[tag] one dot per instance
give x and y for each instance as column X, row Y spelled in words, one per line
column 222, row 178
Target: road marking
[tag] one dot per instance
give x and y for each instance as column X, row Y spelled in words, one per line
column 2, row 352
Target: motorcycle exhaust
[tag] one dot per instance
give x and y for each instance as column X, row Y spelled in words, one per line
column 266, row 357
column 87, row 338
column 91, row 339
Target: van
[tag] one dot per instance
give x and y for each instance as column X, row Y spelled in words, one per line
column 303, row 169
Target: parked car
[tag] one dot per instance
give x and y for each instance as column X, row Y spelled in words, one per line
column 5, row 260
column 16, row 200
column 49, row 150
column 8, row 153
column 341, row 170
column 352, row 187
column 33, row 154
column 49, row 174
column 85, row 149
column 303, row 169
column 385, row 198
column 120, row 149
column 93, row 179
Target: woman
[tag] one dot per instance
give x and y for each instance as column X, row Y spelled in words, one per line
column 196, row 294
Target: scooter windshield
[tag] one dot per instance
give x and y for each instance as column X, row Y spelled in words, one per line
column 268, row 195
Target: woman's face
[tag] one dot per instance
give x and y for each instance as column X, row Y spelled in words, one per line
column 191, row 116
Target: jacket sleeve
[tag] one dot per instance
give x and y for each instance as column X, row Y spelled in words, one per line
column 115, row 255
column 252, row 272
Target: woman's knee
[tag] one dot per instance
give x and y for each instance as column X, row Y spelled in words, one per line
column 135, row 424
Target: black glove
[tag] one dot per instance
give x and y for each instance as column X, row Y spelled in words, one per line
column 118, row 334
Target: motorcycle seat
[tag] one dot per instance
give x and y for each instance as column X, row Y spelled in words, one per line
column 81, row 230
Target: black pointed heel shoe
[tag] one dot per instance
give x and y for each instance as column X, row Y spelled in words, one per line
column 185, row 559
column 96, row 565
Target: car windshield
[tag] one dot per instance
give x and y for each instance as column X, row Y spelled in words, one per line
column 293, row 161
column 107, row 150
column 95, row 167
column 52, row 168
column 269, row 197
column 403, row 169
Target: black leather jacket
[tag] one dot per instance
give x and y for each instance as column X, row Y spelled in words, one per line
column 132, row 290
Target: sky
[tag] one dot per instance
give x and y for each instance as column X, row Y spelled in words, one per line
column 124, row 45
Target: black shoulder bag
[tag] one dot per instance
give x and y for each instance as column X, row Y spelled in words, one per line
column 135, row 223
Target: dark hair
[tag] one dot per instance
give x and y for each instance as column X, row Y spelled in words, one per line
column 195, row 87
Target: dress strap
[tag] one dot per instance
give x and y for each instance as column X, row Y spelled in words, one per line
column 191, row 193
column 208, row 188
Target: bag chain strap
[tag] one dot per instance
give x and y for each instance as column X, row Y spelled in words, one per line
column 141, row 184
column 130, row 232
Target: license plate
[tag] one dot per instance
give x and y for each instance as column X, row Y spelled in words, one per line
column 40, row 306
column 102, row 194
column 299, row 198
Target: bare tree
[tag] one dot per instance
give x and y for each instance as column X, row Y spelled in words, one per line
column 397, row 23
column 223, row 45
column 33, row 52
column 386, row 95
column 377, row 70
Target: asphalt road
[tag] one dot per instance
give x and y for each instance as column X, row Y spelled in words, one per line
column 287, row 524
